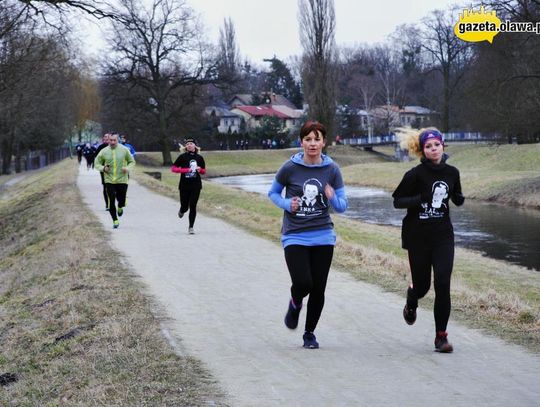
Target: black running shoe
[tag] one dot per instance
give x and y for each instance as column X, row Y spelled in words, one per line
column 180, row 214
column 291, row 317
column 310, row 342
column 409, row 314
column 441, row 343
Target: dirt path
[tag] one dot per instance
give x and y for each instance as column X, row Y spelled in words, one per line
column 226, row 292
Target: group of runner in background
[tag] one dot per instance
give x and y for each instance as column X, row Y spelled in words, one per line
column 90, row 150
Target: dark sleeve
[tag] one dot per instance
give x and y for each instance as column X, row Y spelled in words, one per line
column 178, row 162
column 405, row 195
column 457, row 197
column 202, row 163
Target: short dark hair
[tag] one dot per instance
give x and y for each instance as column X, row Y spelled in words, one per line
column 312, row 125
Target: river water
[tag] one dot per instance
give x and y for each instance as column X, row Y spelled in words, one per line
column 499, row 231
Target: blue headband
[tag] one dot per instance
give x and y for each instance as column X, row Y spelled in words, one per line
column 429, row 134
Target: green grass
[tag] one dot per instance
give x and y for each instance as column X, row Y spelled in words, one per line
column 245, row 162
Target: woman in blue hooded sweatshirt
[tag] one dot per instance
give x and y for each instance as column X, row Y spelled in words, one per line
column 312, row 183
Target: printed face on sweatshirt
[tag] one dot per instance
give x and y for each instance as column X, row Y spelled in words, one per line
column 313, row 200
column 192, row 169
column 439, row 202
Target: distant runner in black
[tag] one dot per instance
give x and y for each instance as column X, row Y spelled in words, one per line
column 104, row 143
column 190, row 165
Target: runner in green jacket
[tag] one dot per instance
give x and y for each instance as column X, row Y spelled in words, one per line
column 115, row 161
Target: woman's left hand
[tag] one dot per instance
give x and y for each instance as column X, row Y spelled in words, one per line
column 329, row 191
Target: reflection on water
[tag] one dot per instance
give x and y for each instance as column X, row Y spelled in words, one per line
column 501, row 232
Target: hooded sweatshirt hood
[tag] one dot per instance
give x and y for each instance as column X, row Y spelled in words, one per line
column 433, row 166
column 298, row 158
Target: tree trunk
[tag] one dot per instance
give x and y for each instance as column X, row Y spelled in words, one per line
column 6, row 157
column 165, row 142
column 446, row 101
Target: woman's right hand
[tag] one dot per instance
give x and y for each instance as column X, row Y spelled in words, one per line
column 295, row 203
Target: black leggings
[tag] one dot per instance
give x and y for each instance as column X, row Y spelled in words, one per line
column 421, row 260
column 104, row 191
column 116, row 192
column 188, row 200
column 309, row 267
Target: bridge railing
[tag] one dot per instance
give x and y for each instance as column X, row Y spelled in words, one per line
column 392, row 139
column 369, row 141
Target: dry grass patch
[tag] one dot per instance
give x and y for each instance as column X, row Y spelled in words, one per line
column 76, row 326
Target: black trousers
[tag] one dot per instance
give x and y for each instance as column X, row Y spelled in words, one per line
column 116, row 192
column 421, row 261
column 309, row 267
column 105, row 196
column 188, row 201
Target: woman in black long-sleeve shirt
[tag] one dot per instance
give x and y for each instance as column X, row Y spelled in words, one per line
column 427, row 232
column 191, row 166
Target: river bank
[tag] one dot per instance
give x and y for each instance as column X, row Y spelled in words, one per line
column 498, row 231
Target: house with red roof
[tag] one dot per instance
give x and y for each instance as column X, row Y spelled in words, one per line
column 254, row 114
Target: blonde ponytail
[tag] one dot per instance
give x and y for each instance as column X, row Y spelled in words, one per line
column 409, row 139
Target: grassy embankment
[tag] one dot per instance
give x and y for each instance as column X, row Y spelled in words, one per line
column 76, row 327
column 501, row 298
column 508, row 174
column 227, row 163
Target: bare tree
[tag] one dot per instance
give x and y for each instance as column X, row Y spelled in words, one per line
column 36, row 79
column 97, row 8
column 358, row 82
column 503, row 96
column 86, row 101
column 158, row 51
column 406, row 43
column 448, row 55
column 388, row 71
column 517, row 10
column 317, row 23
column 228, row 60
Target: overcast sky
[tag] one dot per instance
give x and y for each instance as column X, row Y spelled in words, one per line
column 270, row 27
